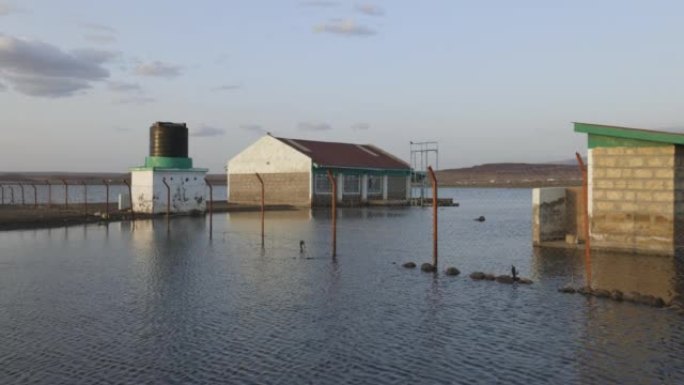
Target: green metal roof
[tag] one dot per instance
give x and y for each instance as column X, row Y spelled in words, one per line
column 631, row 134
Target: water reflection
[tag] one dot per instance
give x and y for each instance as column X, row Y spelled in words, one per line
column 146, row 302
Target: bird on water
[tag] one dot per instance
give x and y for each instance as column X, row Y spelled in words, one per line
column 301, row 246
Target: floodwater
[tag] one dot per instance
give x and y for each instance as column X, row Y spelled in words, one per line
column 153, row 302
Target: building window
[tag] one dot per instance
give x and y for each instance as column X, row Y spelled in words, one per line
column 374, row 184
column 352, row 184
column 322, row 184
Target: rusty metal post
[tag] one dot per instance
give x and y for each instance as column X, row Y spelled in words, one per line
column 106, row 197
column 211, row 208
column 435, row 205
column 85, row 196
column 23, row 198
column 333, row 209
column 585, row 201
column 263, row 195
column 168, row 198
column 66, row 193
column 130, row 198
column 35, row 195
column 49, row 199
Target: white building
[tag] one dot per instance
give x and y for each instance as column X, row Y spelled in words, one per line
column 294, row 172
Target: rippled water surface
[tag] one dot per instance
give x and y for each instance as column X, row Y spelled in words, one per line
column 156, row 303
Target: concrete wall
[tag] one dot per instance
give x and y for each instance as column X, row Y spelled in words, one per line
column 679, row 200
column 188, row 191
column 290, row 188
column 269, row 155
column 548, row 214
column 632, row 195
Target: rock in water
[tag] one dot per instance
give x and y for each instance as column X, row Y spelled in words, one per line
column 478, row 275
column 524, row 281
column 428, row 268
column 409, row 265
column 452, row 271
column 567, row 289
column 616, row 295
column 507, row 279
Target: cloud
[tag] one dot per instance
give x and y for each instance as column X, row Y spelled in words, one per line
column 253, row 128
column 344, row 27
column 6, row 9
column 37, row 68
column 2, row 87
column 124, row 87
column 319, row 3
column 207, row 131
column 227, row 87
column 370, row 9
column 314, row 126
column 100, row 39
column 99, row 33
column 360, row 126
column 135, row 100
column 158, row 69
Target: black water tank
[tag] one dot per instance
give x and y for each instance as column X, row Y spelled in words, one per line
column 169, row 140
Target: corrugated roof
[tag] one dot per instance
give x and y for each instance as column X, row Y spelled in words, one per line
column 630, row 133
column 346, row 155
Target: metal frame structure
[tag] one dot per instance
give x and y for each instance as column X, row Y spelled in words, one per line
column 421, row 155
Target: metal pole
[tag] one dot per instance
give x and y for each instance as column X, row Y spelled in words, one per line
column 433, row 178
column 35, row 195
column 106, row 197
column 49, row 200
column 130, row 198
column 23, row 199
column 168, row 198
column 333, row 209
column 585, row 201
column 12, row 193
column 85, row 196
column 261, row 181
column 66, row 193
column 211, row 207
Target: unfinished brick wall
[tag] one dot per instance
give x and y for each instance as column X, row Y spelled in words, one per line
column 679, row 200
column 279, row 188
column 633, row 198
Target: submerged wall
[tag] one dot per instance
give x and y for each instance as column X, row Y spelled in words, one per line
column 150, row 195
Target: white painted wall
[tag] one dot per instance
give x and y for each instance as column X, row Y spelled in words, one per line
column 269, row 155
column 188, row 191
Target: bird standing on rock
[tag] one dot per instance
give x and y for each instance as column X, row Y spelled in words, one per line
column 514, row 273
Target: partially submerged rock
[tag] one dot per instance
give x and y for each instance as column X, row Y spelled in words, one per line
column 428, row 268
column 489, row 277
column 507, row 279
column 525, row 281
column 478, row 275
column 409, row 265
column 567, row 289
column 585, row 290
column 617, row 295
column 452, row 271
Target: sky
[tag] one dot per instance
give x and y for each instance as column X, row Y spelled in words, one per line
column 81, row 81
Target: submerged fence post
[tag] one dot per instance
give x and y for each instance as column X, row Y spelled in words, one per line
column 35, row 195
column 211, row 208
column 130, row 198
column 49, row 199
column 23, row 199
column 263, row 195
column 585, row 201
column 106, row 197
column 66, row 193
column 333, row 182
column 168, row 198
column 435, row 202
column 85, row 196
column 11, row 193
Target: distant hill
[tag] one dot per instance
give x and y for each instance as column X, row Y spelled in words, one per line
column 512, row 175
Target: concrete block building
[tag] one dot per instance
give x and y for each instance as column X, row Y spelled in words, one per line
column 168, row 164
column 294, row 172
column 636, row 189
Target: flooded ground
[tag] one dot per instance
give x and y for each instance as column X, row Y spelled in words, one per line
column 156, row 303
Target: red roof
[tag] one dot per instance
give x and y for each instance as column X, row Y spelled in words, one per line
column 346, row 155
